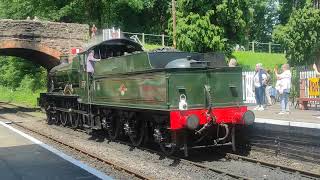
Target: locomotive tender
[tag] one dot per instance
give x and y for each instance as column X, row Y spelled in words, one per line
column 176, row 99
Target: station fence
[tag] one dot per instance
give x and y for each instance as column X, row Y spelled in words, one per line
column 152, row 39
column 305, row 85
column 264, row 47
column 247, row 87
column 306, row 78
column 158, row 40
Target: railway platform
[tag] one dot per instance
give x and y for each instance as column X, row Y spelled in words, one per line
column 296, row 134
column 24, row 157
column 309, row 119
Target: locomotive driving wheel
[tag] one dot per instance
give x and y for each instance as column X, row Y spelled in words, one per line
column 64, row 118
column 137, row 131
column 58, row 117
column 166, row 143
column 50, row 114
column 74, row 120
column 50, row 117
column 113, row 127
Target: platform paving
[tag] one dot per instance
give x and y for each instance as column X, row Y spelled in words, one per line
column 23, row 159
column 297, row 117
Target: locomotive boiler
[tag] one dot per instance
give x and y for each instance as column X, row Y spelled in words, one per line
column 177, row 99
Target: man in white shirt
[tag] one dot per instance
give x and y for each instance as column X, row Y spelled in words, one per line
column 259, row 82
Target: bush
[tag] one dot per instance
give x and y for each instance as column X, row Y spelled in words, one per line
column 301, row 36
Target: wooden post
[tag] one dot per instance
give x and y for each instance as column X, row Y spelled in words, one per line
column 162, row 35
column 252, row 46
column 143, row 39
column 174, row 20
column 270, row 50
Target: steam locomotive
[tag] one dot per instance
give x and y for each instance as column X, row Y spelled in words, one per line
column 177, row 99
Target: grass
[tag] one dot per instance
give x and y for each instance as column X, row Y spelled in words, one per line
column 248, row 60
column 152, row 46
column 20, row 96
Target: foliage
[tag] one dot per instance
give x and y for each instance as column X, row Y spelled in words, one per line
column 265, row 14
column 211, row 25
column 196, row 33
column 134, row 15
column 301, row 36
column 248, row 60
column 19, row 73
column 286, row 7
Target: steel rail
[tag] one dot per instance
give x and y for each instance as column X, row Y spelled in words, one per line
column 272, row 165
column 108, row 162
column 187, row 162
column 228, row 155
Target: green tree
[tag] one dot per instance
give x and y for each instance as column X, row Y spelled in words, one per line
column 211, row 25
column 301, row 35
column 130, row 15
column 264, row 15
column 286, row 7
column 14, row 70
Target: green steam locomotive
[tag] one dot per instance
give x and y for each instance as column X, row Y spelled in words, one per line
column 176, row 99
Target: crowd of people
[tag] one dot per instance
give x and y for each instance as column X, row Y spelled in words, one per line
column 262, row 86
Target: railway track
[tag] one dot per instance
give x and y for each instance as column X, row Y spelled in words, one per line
column 120, row 168
column 107, row 162
column 232, row 156
column 304, row 149
column 306, row 174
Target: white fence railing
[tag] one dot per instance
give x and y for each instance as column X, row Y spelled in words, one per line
column 247, row 80
column 249, row 96
column 304, row 75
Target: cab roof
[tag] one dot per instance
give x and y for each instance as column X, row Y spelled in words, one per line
column 125, row 44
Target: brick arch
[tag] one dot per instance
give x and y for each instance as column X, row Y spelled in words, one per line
column 30, row 50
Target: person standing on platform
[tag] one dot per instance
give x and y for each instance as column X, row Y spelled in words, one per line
column 268, row 88
column 283, row 86
column 316, row 69
column 259, row 83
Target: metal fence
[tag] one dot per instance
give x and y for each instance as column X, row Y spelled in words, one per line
column 255, row 46
column 157, row 40
column 151, row 39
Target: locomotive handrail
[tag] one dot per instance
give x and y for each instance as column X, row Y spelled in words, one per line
column 244, row 88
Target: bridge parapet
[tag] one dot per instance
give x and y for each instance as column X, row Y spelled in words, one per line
column 52, row 39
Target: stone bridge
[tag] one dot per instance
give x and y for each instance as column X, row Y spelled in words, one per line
column 39, row 41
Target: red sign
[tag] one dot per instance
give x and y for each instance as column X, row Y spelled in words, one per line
column 75, row 51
